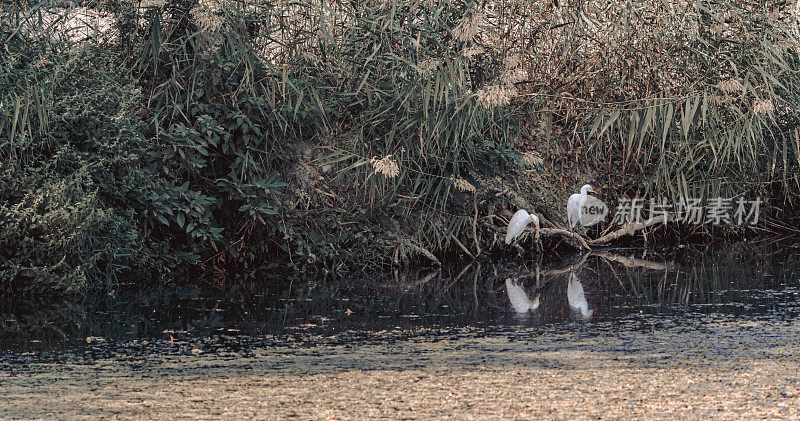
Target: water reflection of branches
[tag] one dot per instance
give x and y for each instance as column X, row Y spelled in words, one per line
column 633, row 262
column 574, row 279
column 577, row 261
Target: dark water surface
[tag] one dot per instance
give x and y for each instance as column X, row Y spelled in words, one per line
column 601, row 291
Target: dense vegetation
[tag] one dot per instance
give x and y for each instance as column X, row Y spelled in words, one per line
column 247, row 143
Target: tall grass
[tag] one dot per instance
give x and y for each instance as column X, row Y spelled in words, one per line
column 724, row 120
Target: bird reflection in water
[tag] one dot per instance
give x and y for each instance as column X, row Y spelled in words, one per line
column 576, row 297
column 520, row 301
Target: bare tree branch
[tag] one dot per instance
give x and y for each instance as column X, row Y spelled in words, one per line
column 628, row 229
column 568, row 234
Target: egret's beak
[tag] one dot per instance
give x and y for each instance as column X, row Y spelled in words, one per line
column 592, row 190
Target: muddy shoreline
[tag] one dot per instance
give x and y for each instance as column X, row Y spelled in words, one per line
column 713, row 367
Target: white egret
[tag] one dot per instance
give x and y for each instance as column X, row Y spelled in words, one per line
column 519, row 299
column 517, row 225
column 576, row 297
column 575, row 203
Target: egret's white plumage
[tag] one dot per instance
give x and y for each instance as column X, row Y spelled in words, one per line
column 575, row 203
column 517, row 225
column 519, row 299
column 576, row 297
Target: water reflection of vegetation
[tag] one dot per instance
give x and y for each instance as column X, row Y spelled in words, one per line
column 145, row 313
column 614, row 284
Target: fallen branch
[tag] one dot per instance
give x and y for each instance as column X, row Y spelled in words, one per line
column 628, row 229
column 423, row 251
column 462, row 246
column 566, row 233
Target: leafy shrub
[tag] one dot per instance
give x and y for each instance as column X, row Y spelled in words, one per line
column 71, row 172
column 57, row 238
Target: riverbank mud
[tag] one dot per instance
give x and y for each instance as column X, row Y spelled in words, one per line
column 720, row 367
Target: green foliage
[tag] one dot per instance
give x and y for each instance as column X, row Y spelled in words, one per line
column 70, row 172
column 225, row 123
